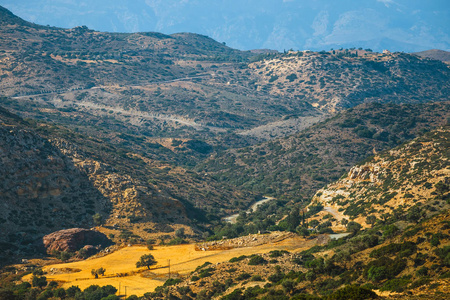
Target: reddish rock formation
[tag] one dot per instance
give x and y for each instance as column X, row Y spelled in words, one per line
column 74, row 239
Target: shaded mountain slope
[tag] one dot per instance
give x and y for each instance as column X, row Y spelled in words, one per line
column 53, row 178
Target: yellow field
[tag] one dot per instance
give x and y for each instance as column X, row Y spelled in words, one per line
column 183, row 260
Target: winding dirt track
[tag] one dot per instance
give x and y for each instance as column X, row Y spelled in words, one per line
column 337, row 215
column 232, row 219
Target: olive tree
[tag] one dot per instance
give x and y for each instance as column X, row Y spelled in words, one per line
column 146, row 260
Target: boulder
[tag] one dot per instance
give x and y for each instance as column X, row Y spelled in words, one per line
column 74, row 239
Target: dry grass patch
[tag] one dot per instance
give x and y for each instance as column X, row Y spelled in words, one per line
column 121, row 265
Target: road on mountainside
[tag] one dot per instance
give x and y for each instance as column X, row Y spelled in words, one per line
column 337, row 215
column 131, row 113
column 63, row 91
column 232, row 219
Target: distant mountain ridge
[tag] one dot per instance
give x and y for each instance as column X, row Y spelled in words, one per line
column 435, row 54
column 279, row 24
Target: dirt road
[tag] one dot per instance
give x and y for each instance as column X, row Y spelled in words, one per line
column 232, row 219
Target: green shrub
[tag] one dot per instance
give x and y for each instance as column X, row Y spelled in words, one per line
column 291, row 77
column 202, row 266
column 256, row 260
column 353, row 227
column 39, row 281
column 257, row 278
column 172, row 281
column 273, row 78
column 412, row 232
column 435, row 240
column 444, row 254
column 422, row 272
column 234, row 295
column 236, row 259
column 352, row 292
column 277, row 253
column 395, row 285
column 384, row 268
column 177, row 241
column 206, row 272
column 406, row 248
column 276, row 277
column 243, row 276
column 377, row 273
column 390, row 231
column 314, row 209
column 420, row 282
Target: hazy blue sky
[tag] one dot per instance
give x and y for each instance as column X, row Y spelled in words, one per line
column 398, row 25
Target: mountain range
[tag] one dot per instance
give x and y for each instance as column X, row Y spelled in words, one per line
column 157, row 138
column 183, row 105
column 398, row 25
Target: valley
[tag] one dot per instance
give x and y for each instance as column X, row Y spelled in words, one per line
column 258, row 174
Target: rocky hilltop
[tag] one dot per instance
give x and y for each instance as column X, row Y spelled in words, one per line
column 336, row 80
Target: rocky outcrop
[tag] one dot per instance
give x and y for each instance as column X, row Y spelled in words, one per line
column 74, row 239
column 367, row 172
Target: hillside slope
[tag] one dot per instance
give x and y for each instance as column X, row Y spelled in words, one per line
column 401, row 254
column 53, row 178
column 435, row 54
column 189, row 86
column 295, row 167
column 336, row 80
column 411, row 181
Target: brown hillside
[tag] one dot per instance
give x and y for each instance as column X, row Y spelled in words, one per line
column 413, row 177
column 190, row 86
column 403, row 254
column 332, row 82
column 435, row 54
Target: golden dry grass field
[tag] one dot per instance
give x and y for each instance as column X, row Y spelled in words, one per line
column 121, row 268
